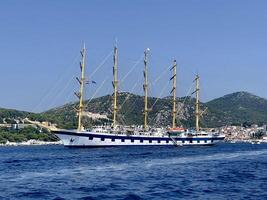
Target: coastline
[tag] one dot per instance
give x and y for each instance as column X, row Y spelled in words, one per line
column 31, row 143
column 252, row 141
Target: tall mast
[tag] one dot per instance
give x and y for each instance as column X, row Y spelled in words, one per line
column 115, row 84
column 197, row 103
column 145, row 89
column 80, row 95
column 173, row 78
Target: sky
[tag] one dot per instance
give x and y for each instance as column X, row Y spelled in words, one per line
column 224, row 41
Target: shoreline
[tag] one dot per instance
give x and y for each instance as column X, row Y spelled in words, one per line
column 252, row 141
column 30, row 143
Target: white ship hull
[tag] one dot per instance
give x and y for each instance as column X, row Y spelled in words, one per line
column 92, row 139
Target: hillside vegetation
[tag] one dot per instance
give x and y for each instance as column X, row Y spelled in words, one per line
column 236, row 108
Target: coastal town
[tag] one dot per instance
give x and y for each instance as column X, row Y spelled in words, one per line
column 244, row 134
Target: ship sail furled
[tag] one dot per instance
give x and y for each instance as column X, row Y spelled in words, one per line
column 146, row 89
column 197, row 113
column 115, row 85
column 80, row 95
column 173, row 92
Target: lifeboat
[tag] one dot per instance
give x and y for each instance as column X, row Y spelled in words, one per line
column 176, row 130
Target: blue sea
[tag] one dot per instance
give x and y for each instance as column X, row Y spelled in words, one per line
column 225, row 171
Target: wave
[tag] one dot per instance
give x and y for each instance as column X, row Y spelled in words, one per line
column 86, row 170
column 200, row 158
column 132, row 197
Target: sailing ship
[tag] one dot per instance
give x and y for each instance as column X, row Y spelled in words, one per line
column 116, row 135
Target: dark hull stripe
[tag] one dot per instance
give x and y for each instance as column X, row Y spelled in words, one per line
column 120, row 137
column 109, row 146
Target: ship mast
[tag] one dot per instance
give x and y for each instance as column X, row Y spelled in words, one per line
column 197, row 113
column 115, row 85
column 173, row 78
column 80, row 95
column 145, row 89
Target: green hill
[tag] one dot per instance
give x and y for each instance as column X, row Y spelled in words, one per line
column 10, row 115
column 236, row 108
column 130, row 111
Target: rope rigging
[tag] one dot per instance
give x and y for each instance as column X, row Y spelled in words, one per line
column 160, row 95
column 54, row 86
column 186, row 97
column 132, row 68
column 102, row 63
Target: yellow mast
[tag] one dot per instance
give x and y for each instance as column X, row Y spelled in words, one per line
column 115, row 85
column 80, row 95
column 197, row 103
column 173, row 78
column 145, row 89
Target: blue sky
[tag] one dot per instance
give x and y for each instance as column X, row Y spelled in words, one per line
column 224, row 41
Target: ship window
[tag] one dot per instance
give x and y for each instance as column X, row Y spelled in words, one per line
column 183, row 141
column 150, row 141
column 198, row 141
column 132, row 140
column 158, row 141
column 167, row 141
column 191, row 141
column 102, row 139
column 141, row 141
column 205, row 141
column 211, row 141
column 112, row 140
column 122, row 140
column 91, row 138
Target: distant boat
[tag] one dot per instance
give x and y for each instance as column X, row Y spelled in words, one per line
column 232, row 141
column 116, row 135
column 255, row 141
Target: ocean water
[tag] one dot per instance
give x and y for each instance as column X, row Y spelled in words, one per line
column 225, row 171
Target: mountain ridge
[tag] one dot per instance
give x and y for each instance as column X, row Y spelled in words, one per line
column 235, row 108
